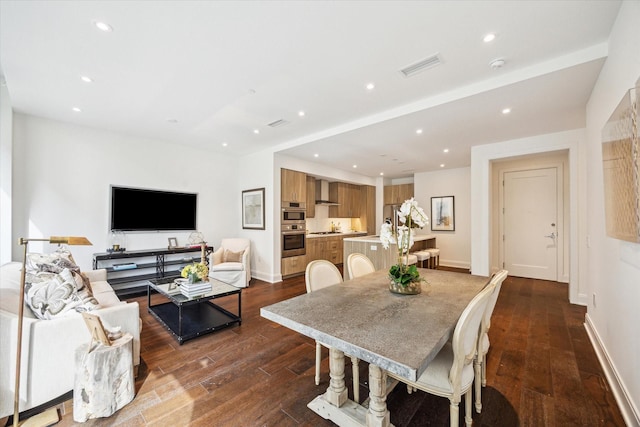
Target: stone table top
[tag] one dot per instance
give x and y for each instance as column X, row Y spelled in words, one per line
column 362, row 318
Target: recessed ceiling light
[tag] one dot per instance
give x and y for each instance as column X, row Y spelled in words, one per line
column 381, row 173
column 370, row 86
column 103, row 26
column 224, row 144
column 86, row 79
column 355, row 166
column 316, row 155
column 446, row 150
column 441, row 165
column 489, row 38
column 77, row 110
column 256, row 131
column 301, row 113
column 506, row 110
column 419, row 131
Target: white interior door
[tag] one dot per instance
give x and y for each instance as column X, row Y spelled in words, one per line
column 530, row 223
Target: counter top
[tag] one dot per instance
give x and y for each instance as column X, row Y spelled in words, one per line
column 376, row 239
column 349, row 234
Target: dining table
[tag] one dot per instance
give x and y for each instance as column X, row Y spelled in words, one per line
column 391, row 332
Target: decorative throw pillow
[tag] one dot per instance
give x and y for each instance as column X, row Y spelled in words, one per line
column 52, row 295
column 60, row 267
column 56, row 262
column 230, row 256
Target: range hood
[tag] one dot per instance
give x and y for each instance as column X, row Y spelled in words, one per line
column 322, row 190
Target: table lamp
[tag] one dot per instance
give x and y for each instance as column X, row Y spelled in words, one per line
column 50, row 418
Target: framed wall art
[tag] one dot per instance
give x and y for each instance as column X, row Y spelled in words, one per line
column 442, row 214
column 253, row 209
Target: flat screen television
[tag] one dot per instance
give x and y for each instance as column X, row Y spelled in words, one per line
column 138, row 209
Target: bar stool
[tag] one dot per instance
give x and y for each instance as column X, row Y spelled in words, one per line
column 412, row 259
column 434, row 260
column 422, row 257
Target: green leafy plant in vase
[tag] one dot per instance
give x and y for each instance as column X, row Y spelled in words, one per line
column 404, row 279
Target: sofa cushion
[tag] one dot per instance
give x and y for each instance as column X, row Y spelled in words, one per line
column 227, row 266
column 230, row 256
column 103, row 292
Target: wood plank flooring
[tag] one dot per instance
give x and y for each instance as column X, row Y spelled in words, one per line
column 541, row 370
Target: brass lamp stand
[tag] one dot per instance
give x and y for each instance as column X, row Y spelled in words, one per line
column 47, row 417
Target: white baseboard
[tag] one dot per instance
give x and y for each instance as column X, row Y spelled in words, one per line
column 455, row 264
column 629, row 412
column 270, row 278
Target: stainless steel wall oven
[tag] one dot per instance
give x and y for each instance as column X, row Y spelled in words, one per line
column 292, row 224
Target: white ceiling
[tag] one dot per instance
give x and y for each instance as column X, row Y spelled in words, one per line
column 203, row 73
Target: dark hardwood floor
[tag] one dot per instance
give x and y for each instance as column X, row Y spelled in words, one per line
column 541, row 370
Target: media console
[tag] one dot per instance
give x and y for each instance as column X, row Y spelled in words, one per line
column 129, row 271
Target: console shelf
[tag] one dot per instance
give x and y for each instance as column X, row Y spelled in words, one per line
column 150, row 264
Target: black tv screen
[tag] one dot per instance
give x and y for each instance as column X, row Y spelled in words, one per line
column 137, row 209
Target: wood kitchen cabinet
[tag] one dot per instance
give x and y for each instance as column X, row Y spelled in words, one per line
column 368, row 209
column 311, row 197
column 326, row 247
column 293, row 265
column 293, row 186
column 397, row 194
column 348, row 197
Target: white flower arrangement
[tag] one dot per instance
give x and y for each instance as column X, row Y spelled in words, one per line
column 410, row 216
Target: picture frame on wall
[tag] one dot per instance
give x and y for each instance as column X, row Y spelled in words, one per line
column 443, row 214
column 253, row 209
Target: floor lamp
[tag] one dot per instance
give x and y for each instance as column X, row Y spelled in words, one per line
column 48, row 418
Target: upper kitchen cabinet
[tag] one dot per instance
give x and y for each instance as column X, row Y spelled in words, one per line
column 311, row 197
column 293, row 186
column 348, row 198
column 397, row 194
column 368, row 209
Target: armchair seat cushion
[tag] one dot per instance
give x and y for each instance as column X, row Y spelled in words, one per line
column 227, row 266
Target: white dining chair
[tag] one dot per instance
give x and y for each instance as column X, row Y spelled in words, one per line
column 320, row 274
column 359, row 265
column 483, row 339
column 450, row 374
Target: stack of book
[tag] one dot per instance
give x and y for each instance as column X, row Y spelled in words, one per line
column 191, row 290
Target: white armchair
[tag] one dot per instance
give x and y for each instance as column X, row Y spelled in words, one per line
column 231, row 262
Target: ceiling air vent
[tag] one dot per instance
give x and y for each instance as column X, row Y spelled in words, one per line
column 431, row 61
column 278, row 123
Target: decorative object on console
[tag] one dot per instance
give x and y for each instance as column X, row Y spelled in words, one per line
column 621, row 168
column 253, row 209
column 196, row 239
column 117, row 240
column 404, row 278
column 173, row 242
column 443, row 214
column 25, row 243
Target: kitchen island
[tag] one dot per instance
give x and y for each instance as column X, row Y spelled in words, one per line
column 382, row 258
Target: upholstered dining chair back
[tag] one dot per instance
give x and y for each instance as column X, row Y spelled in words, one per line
column 320, row 274
column 465, row 335
column 358, row 265
column 483, row 338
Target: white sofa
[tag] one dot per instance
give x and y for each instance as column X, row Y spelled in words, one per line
column 235, row 273
column 48, row 354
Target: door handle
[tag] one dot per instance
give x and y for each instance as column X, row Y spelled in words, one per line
column 552, row 235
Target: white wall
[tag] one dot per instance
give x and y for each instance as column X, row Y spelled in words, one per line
column 455, row 246
column 62, row 174
column 613, row 267
column 6, row 155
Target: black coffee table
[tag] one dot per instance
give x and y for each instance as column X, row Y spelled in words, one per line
column 187, row 318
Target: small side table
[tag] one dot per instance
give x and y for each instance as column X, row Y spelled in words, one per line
column 103, row 379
